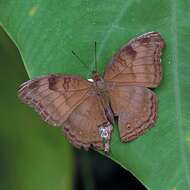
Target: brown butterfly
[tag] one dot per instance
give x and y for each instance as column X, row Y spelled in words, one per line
column 86, row 110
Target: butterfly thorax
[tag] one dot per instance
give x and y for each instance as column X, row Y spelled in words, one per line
column 99, row 83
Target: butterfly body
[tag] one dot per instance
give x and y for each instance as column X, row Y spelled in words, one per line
column 100, row 87
column 85, row 110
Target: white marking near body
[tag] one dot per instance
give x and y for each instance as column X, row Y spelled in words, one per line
column 90, row 80
column 105, row 131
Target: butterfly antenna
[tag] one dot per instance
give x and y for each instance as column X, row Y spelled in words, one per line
column 80, row 60
column 95, row 59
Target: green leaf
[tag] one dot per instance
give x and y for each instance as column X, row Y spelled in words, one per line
column 45, row 33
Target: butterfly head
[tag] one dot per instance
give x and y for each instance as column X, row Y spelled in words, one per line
column 96, row 76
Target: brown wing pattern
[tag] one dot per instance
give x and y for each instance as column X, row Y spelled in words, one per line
column 138, row 62
column 81, row 127
column 54, row 97
column 135, row 108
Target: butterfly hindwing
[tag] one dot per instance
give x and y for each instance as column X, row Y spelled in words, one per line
column 135, row 108
column 82, row 126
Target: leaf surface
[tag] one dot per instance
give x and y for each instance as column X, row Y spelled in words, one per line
column 46, row 32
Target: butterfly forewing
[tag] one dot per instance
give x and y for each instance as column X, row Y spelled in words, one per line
column 138, row 62
column 54, row 97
